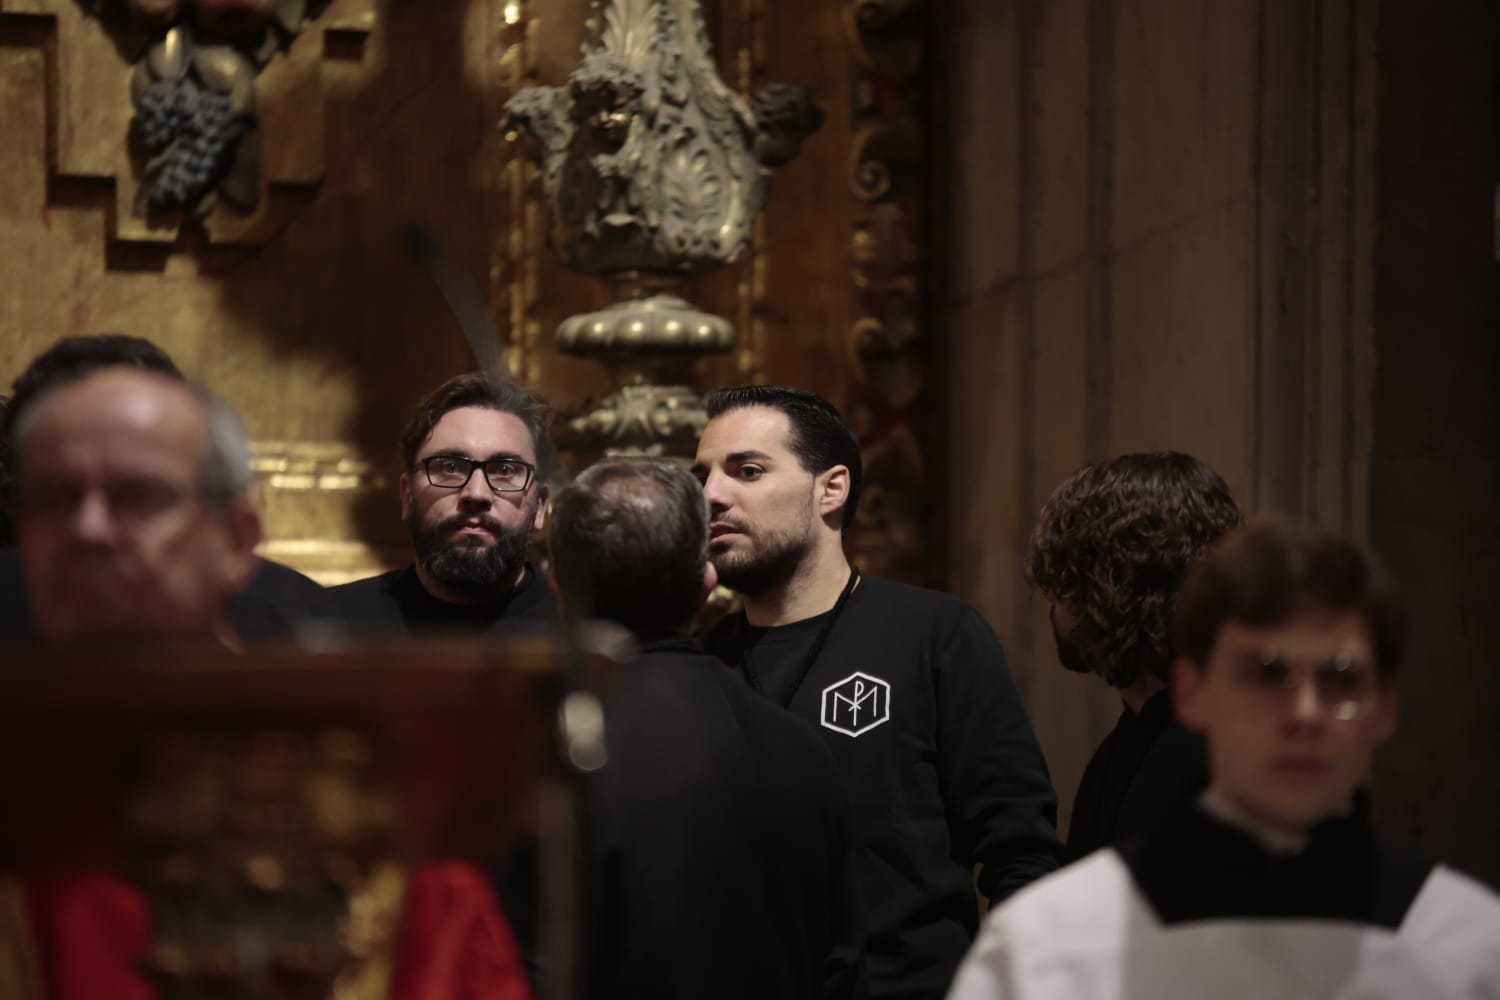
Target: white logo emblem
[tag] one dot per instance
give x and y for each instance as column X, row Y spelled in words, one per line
column 856, row 704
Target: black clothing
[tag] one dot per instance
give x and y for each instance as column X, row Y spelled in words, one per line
column 397, row 603
column 277, row 601
column 912, row 694
column 1148, row 768
column 1199, row 868
column 720, row 855
column 274, row 604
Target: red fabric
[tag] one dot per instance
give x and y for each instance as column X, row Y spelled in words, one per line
column 454, row 944
column 92, row 929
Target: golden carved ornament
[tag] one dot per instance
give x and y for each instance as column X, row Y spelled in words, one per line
column 651, row 169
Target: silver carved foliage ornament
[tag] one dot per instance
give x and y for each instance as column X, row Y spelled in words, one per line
column 193, row 88
column 652, row 171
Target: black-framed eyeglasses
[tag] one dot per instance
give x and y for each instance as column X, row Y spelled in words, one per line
column 453, row 472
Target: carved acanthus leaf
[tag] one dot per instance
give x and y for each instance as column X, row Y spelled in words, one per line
column 660, row 166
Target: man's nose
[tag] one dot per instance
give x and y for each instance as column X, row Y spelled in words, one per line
column 714, row 492
column 1307, row 703
column 476, row 492
column 91, row 519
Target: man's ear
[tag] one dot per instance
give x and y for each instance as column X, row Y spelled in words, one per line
column 243, row 531
column 710, row 581
column 833, row 490
column 405, row 485
column 1187, row 693
column 543, row 495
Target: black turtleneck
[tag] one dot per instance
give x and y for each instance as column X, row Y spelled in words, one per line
column 1200, row 868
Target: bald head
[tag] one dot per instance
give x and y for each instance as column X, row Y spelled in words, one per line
column 131, row 508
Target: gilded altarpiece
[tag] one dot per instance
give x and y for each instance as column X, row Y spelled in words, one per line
column 310, row 315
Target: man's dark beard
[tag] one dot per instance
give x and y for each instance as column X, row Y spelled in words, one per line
column 762, row 570
column 1070, row 654
column 474, row 572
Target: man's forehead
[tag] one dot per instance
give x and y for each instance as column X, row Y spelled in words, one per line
column 762, row 431
column 118, row 403
column 480, row 432
column 1313, row 631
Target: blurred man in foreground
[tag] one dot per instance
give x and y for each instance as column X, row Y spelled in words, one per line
column 135, row 522
column 1273, row 883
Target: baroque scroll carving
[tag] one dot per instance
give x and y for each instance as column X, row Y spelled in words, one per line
column 887, row 346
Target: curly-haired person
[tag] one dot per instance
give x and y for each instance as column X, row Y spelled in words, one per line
column 1108, row 552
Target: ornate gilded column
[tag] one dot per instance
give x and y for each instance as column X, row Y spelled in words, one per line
column 652, row 171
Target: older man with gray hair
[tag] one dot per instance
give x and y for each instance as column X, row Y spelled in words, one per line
column 135, row 523
column 132, row 507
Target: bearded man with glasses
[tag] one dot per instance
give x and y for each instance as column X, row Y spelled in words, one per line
column 475, row 458
column 1274, row 882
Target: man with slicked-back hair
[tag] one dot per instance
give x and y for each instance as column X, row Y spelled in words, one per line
column 908, row 687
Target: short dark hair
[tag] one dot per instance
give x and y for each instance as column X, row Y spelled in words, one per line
column 629, row 543
column 1272, row 571
column 67, row 360
column 71, row 358
column 820, row 438
column 488, row 392
column 1113, row 541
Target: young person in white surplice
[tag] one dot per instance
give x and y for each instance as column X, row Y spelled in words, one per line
column 1273, row 883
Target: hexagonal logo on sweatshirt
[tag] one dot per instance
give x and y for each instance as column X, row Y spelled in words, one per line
column 856, row 704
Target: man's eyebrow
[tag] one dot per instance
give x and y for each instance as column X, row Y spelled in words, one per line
column 498, row 456
column 749, row 455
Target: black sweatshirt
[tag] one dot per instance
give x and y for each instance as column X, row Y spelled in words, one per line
column 721, row 861
column 1147, row 768
column 912, row 693
column 397, row 603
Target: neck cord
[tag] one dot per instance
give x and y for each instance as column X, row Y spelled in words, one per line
column 813, row 651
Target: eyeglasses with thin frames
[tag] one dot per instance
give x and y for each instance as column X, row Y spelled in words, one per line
column 504, row 475
column 1344, row 686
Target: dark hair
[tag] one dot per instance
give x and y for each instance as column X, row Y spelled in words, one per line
column 68, row 360
column 1112, row 542
column 820, row 438
column 1272, row 571
column 486, row 391
column 629, row 542
column 71, row 358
